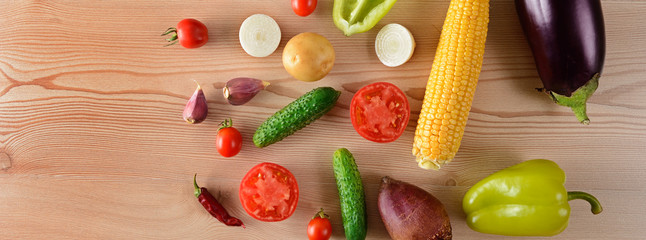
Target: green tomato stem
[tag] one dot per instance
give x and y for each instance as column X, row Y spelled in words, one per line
column 594, row 202
column 173, row 39
column 226, row 123
column 321, row 214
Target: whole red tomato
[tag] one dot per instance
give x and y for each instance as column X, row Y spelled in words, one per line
column 303, row 7
column 190, row 33
column 380, row 112
column 229, row 140
column 319, row 227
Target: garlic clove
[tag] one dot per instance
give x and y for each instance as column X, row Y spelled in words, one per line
column 240, row 90
column 196, row 108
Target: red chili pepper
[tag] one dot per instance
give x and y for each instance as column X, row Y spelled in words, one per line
column 214, row 207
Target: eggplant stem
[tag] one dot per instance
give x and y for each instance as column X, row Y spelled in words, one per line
column 594, row 202
column 578, row 99
column 581, row 114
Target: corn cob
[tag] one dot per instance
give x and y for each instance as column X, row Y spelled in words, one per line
column 452, row 83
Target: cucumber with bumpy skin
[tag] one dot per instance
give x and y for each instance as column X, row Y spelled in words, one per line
column 351, row 195
column 295, row 116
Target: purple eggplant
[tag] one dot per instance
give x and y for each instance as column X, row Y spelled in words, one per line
column 567, row 39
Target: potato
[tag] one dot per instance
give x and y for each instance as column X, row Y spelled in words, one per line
column 409, row 212
column 308, row 57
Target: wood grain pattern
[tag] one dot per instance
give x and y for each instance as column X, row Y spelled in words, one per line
column 92, row 144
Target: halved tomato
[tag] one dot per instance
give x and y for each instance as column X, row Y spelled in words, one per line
column 269, row 192
column 380, row 112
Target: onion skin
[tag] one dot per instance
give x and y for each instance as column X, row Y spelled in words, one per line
column 409, row 212
column 567, row 39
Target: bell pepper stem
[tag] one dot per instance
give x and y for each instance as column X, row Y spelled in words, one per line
column 198, row 191
column 594, row 202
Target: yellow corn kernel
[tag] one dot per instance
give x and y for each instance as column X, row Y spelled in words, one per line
column 452, row 83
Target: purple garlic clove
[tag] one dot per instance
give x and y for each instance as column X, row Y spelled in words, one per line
column 196, row 108
column 240, row 90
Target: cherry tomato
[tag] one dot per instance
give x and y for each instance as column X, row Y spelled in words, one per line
column 380, row 112
column 319, row 227
column 229, row 140
column 269, row 192
column 303, row 7
column 190, row 33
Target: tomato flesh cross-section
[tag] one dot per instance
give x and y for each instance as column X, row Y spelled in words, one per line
column 380, row 112
column 269, row 192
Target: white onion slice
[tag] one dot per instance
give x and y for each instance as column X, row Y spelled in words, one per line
column 259, row 35
column 394, row 45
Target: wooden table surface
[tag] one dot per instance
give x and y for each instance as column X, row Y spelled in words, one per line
column 93, row 145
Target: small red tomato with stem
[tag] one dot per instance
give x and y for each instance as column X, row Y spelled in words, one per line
column 303, row 7
column 189, row 32
column 229, row 140
column 319, row 227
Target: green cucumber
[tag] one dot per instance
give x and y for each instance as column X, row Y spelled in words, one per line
column 295, row 116
column 351, row 195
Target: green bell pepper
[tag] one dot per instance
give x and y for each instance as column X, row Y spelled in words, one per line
column 357, row 16
column 527, row 199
